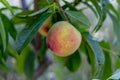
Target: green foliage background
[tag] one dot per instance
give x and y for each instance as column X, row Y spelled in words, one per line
column 97, row 57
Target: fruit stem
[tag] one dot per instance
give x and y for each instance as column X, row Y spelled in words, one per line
column 62, row 11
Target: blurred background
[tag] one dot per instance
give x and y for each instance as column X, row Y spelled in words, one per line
column 56, row 71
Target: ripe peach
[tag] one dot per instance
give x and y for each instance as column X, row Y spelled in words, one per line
column 43, row 30
column 63, row 39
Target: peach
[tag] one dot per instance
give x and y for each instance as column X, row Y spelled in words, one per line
column 63, row 39
column 43, row 30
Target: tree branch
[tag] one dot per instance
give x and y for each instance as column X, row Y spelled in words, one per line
column 45, row 62
column 62, row 11
column 42, row 67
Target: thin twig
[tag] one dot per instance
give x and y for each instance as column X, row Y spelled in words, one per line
column 62, row 11
column 44, row 64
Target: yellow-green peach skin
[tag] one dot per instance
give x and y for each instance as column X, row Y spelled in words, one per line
column 63, row 39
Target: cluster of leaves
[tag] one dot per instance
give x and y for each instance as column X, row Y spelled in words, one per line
column 98, row 53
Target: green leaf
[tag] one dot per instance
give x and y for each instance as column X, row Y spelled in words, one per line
column 92, row 8
column 102, row 13
column 91, row 59
column 28, row 33
column 3, row 66
column 97, row 7
column 20, row 59
column 73, row 61
column 78, row 19
column 115, row 76
column 107, row 69
column 39, row 12
column 71, row 7
column 43, row 48
column 29, row 65
column 116, row 27
column 27, row 15
column 22, row 17
column 77, row 2
column 3, row 33
column 42, row 3
column 98, row 52
column 111, row 7
column 13, row 7
column 2, row 54
column 24, row 13
column 1, row 45
column 11, row 51
column 9, row 26
column 117, row 63
column 7, row 5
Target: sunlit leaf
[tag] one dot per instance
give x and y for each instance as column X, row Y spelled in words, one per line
column 11, row 51
column 5, row 2
column 22, row 17
column 115, row 76
column 111, row 7
column 107, row 69
column 39, row 12
column 13, row 7
column 20, row 59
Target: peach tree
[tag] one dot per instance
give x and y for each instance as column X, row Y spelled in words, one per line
column 64, row 29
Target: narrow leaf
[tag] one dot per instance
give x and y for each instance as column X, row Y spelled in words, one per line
column 107, row 69
column 99, row 56
column 39, row 11
column 22, row 17
column 7, row 5
column 102, row 14
column 116, row 27
column 2, row 53
column 9, row 26
column 3, row 34
column 115, row 76
column 20, row 59
column 92, row 8
column 29, row 65
column 71, row 7
column 43, row 48
column 78, row 19
column 3, row 66
column 91, row 59
column 11, row 51
column 27, row 34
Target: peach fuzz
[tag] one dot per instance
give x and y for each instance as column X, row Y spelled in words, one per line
column 63, row 39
